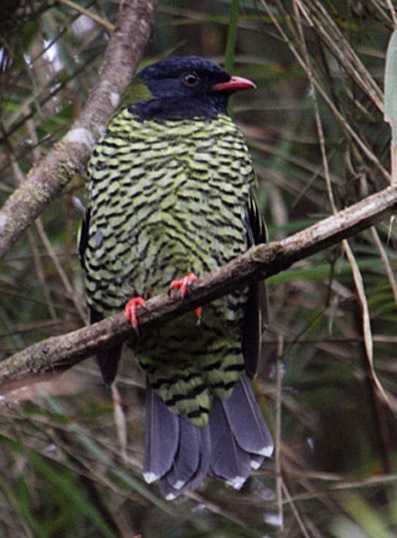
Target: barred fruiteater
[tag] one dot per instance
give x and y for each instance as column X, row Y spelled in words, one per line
column 170, row 195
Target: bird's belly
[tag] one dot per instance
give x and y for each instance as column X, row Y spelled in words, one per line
column 184, row 231
column 188, row 364
column 174, row 241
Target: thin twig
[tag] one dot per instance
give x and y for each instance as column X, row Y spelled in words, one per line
column 295, row 511
column 93, row 16
column 61, row 272
column 392, row 13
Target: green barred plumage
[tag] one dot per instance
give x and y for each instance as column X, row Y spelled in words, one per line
column 168, row 197
column 189, row 219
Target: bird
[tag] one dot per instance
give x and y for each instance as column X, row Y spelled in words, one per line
column 170, row 197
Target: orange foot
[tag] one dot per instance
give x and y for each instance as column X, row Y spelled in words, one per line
column 130, row 310
column 183, row 284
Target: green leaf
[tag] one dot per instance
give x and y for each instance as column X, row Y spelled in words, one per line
column 368, row 522
column 231, row 36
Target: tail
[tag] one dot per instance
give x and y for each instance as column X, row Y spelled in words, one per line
column 181, row 455
column 176, row 452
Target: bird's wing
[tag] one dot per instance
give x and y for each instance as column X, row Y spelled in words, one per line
column 83, row 235
column 256, row 310
column 107, row 359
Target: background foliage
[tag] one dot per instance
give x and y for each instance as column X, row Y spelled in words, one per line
column 71, row 454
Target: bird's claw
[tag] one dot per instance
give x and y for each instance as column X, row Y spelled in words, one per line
column 183, row 284
column 130, row 310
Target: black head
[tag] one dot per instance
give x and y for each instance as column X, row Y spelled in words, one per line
column 187, row 87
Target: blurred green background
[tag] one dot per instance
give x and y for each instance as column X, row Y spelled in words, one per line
column 69, row 465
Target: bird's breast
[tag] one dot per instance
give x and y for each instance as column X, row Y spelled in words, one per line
column 166, row 199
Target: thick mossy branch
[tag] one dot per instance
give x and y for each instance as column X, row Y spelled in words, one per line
column 61, row 352
column 69, row 156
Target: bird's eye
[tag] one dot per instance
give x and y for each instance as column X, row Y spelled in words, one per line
column 190, row 79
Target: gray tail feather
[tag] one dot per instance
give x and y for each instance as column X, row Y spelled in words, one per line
column 161, row 439
column 240, row 437
column 192, row 461
column 246, row 420
column 176, row 451
column 181, row 454
column 228, row 461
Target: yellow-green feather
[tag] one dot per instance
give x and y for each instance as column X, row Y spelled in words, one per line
column 169, row 198
column 135, row 92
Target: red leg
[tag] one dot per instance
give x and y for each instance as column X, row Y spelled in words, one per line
column 130, row 310
column 183, row 284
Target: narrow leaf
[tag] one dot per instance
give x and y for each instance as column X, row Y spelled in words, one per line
column 231, row 36
column 391, row 99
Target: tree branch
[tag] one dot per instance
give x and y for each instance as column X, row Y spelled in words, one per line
column 61, row 352
column 69, row 155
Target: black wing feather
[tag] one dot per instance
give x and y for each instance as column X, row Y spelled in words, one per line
column 107, row 359
column 83, row 239
column 256, row 311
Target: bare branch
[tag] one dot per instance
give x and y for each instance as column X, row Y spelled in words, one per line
column 61, row 352
column 70, row 154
